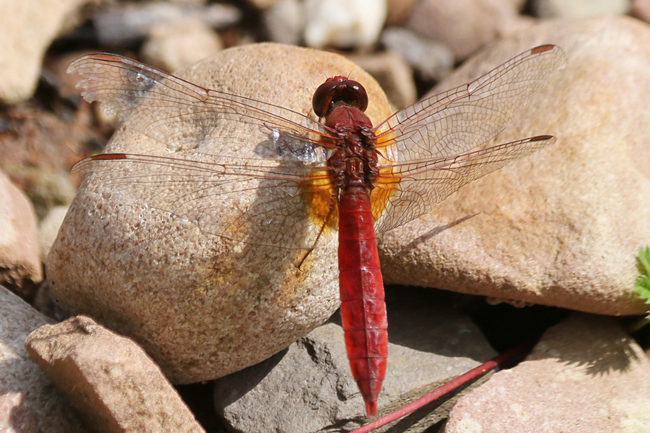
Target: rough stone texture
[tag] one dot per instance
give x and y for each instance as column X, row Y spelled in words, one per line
column 19, row 258
column 28, row 28
column 201, row 305
column 176, row 46
column 109, row 378
column 344, row 23
column 580, row 8
column 462, row 25
column 585, row 375
column 563, row 226
column 29, row 402
column 429, row 345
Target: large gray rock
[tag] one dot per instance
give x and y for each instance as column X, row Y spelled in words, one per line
column 111, row 381
column 585, row 375
column 563, row 226
column 429, row 345
column 204, row 306
column 29, row 402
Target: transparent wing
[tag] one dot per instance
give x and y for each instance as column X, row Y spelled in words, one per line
column 258, row 187
column 227, row 197
column 468, row 116
column 430, row 142
column 183, row 116
column 420, row 185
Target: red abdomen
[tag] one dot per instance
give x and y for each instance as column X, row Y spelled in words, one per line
column 363, row 310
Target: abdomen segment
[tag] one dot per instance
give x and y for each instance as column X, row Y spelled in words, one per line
column 363, row 310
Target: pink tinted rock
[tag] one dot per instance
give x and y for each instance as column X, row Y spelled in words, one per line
column 563, row 226
column 29, row 402
column 19, row 248
column 112, row 382
column 585, row 375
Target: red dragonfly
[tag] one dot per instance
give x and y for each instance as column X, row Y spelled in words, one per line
column 336, row 173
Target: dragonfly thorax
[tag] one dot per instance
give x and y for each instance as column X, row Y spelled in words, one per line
column 355, row 161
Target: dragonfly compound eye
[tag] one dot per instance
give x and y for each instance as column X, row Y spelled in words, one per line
column 339, row 90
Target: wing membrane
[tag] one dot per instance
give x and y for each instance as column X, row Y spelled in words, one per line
column 424, row 184
column 252, row 187
column 430, row 142
column 468, row 116
column 267, row 188
column 183, row 116
column 230, row 198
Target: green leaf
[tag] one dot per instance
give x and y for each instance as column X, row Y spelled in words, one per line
column 642, row 283
column 644, row 261
column 643, row 288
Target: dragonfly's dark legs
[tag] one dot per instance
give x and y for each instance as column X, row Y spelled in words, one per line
column 333, row 199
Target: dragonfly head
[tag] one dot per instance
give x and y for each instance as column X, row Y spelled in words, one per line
column 338, row 91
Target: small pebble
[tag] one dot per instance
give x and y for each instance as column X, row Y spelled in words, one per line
column 285, row 21
column 125, row 24
column 393, row 74
column 431, row 59
column 344, row 23
column 172, row 47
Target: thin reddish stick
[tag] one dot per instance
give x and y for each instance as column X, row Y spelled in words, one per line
column 449, row 386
